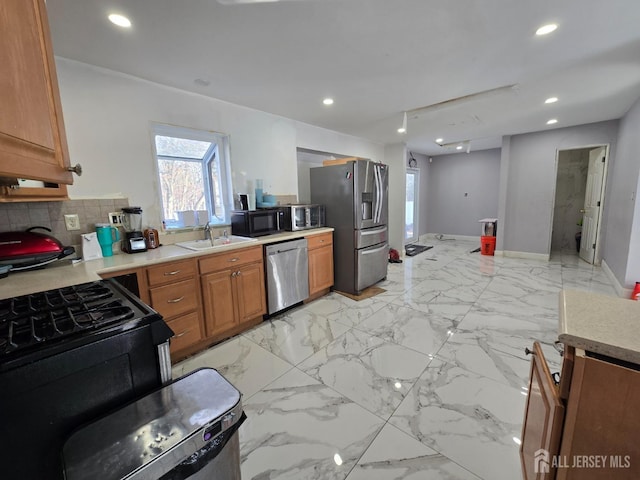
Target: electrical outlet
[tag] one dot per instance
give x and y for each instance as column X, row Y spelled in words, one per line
column 115, row 218
column 72, row 222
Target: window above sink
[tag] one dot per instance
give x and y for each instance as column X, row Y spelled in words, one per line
column 193, row 176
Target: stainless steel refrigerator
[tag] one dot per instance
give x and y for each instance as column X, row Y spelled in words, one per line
column 355, row 195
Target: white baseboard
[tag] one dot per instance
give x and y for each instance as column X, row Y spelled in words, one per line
column 434, row 236
column 543, row 257
column 620, row 289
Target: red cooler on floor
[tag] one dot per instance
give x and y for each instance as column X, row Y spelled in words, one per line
column 487, row 245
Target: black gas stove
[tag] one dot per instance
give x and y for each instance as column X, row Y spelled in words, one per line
column 67, row 356
column 30, row 321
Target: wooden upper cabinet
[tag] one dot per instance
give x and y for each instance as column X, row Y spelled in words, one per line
column 32, row 137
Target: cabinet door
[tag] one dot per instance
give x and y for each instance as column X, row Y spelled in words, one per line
column 219, row 307
column 250, row 292
column 32, row 137
column 543, row 420
column 320, row 269
column 186, row 331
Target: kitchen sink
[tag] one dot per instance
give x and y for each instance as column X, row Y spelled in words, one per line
column 218, row 242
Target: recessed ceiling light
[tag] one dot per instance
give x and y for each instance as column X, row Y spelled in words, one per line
column 328, row 101
column 402, row 130
column 120, row 20
column 459, row 147
column 551, row 100
column 552, row 121
column 546, row 29
column 439, row 140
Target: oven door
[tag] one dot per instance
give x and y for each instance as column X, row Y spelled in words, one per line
column 52, row 396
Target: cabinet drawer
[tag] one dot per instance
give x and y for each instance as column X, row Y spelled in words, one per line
column 223, row 261
column 317, row 241
column 186, row 331
column 170, row 272
column 175, row 299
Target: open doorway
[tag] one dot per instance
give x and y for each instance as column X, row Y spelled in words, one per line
column 579, row 201
column 411, row 206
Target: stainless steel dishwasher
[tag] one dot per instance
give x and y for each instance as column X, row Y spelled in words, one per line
column 287, row 274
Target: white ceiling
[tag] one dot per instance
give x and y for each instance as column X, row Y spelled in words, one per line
column 377, row 59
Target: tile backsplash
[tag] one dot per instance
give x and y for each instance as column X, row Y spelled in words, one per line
column 20, row 216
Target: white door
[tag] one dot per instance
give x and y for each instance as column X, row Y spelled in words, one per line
column 411, row 206
column 592, row 204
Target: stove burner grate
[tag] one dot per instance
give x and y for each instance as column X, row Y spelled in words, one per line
column 48, row 316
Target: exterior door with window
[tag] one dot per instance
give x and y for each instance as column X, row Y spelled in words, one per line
column 411, row 206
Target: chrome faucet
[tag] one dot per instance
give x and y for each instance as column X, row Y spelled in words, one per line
column 207, row 233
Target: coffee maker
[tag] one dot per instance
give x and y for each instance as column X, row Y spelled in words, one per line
column 133, row 237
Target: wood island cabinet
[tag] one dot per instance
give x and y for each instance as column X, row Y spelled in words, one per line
column 233, row 291
column 320, row 249
column 587, row 425
column 32, row 136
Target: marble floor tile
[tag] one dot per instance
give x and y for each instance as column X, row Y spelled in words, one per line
column 394, row 455
column 366, row 369
column 298, row 428
column 466, row 417
column 425, row 333
column 245, row 364
column 296, row 335
column 474, row 351
column 439, row 355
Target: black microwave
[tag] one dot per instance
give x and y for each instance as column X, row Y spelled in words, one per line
column 255, row 223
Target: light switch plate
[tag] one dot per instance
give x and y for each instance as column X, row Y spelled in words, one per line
column 72, row 222
column 115, row 218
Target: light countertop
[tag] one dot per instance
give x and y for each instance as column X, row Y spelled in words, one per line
column 600, row 323
column 64, row 273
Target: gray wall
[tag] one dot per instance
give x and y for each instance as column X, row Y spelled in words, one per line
column 396, row 157
column 571, row 187
column 448, row 210
column 622, row 210
column 531, row 174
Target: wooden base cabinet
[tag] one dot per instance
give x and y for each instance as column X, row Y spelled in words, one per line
column 588, row 425
column 173, row 292
column 233, row 290
column 543, row 421
column 320, row 262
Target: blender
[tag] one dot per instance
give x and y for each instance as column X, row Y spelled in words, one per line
column 133, row 237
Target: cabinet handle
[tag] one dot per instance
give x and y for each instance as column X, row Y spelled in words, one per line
column 238, row 273
column 181, row 334
column 77, row 169
column 234, row 259
column 234, row 274
column 176, row 300
column 175, row 272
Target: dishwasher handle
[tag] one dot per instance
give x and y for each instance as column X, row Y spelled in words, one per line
column 287, row 250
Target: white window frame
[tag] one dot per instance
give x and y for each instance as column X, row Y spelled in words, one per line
column 219, row 147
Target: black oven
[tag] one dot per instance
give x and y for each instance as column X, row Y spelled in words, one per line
column 256, row 223
column 68, row 356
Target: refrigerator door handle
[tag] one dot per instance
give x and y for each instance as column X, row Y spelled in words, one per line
column 376, row 175
column 367, row 252
column 373, row 232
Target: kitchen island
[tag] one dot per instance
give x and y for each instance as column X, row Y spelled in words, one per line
column 586, row 425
